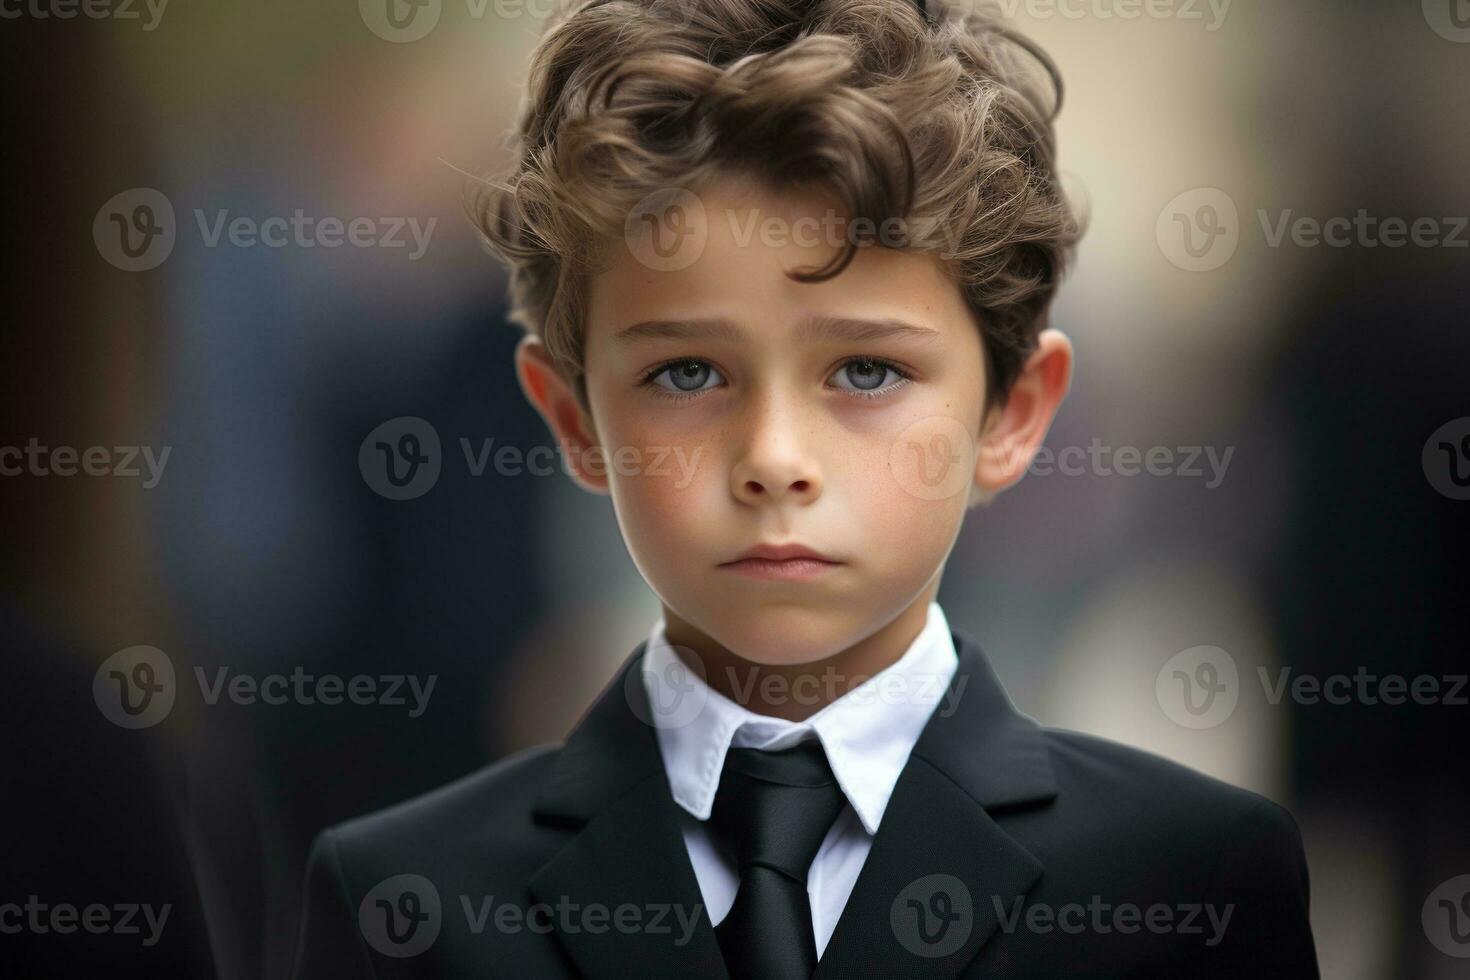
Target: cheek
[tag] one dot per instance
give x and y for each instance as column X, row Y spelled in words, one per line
column 663, row 506
column 905, row 488
column 888, row 511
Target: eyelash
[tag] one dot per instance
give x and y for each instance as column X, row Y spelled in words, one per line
column 904, row 378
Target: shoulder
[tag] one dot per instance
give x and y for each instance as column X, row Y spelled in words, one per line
column 1221, row 867
column 474, row 836
column 1135, row 796
column 486, row 812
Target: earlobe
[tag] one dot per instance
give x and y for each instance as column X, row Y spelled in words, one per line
column 549, row 392
column 1016, row 429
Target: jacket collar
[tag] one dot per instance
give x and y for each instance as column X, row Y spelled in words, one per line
column 923, row 904
column 867, row 733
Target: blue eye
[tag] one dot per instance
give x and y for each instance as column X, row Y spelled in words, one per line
column 864, row 377
column 688, row 378
column 868, row 377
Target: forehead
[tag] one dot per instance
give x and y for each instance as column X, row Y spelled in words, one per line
column 741, row 239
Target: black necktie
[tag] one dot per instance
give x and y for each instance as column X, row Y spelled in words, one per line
column 772, row 810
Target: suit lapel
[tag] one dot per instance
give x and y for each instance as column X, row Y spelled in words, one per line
column 610, row 789
column 941, row 868
column 929, row 895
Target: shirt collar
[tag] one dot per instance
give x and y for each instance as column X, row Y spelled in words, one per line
column 867, row 733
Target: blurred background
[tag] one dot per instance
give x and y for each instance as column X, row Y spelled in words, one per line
column 1327, row 537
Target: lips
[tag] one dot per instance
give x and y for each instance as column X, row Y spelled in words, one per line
column 786, row 562
column 782, row 552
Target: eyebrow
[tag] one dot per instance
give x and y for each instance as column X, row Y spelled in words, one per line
column 817, row 328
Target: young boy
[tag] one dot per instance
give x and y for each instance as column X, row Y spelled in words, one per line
column 807, row 249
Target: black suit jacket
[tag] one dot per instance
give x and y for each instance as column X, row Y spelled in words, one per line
column 1006, row 850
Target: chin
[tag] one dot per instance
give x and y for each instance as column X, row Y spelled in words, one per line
column 784, row 638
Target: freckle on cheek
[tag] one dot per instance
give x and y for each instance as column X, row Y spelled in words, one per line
column 663, row 497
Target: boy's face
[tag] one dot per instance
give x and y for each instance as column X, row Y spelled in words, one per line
column 769, row 417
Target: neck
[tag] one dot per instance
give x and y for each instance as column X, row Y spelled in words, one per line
column 795, row 692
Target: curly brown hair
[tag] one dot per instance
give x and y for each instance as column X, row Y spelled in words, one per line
column 944, row 124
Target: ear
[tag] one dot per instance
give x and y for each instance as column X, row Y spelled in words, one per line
column 549, row 391
column 1014, row 431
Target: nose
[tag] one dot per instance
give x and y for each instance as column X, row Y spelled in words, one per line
column 776, row 463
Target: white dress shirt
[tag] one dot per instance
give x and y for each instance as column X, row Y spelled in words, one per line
column 867, row 735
